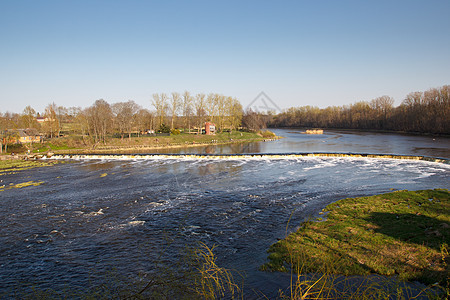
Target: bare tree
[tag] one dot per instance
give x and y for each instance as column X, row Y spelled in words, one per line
column 81, row 124
column 199, row 105
column 51, row 124
column 175, row 102
column 443, row 109
column 8, row 121
column 382, row 107
column 3, row 126
column 29, row 117
column 72, row 114
column 160, row 103
column 253, row 121
column 221, row 111
column 144, row 120
column 235, row 113
column 99, row 117
column 125, row 113
column 187, row 109
column 413, row 105
column 211, row 106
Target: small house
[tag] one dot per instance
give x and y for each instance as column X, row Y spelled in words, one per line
column 23, row 136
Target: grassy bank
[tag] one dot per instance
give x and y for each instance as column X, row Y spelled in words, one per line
column 404, row 233
column 77, row 144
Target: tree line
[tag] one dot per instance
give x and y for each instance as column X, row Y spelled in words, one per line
column 101, row 120
column 419, row 112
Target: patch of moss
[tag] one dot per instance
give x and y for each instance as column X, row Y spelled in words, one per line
column 20, row 185
column 14, row 165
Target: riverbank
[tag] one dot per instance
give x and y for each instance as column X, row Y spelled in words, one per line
column 161, row 145
column 77, row 144
column 404, row 234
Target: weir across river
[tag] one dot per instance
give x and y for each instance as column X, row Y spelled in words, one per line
column 238, row 156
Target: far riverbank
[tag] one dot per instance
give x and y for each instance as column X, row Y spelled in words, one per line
column 141, row 144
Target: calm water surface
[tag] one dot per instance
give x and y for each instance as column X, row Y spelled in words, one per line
column 340, row 141
column 93, row 216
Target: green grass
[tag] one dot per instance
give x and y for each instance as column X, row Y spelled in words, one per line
column 43, row 148
column 219, row 137
column 404, row 233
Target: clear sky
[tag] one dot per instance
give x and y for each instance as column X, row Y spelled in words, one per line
column 299, row 53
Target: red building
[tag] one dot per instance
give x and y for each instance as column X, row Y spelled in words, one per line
column 210, row 128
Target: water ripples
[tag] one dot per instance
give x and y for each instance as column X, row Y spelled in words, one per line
column 81, row 223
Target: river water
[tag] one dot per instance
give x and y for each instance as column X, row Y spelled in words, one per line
column 122, row 214
column 333, row 141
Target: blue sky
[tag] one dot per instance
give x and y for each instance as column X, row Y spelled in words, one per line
column 299, row 53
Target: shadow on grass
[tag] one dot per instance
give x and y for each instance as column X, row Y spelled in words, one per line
column 412, row 228
column 423, row 231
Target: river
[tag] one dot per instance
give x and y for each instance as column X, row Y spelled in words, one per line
column 332, row 141
column 121, row 215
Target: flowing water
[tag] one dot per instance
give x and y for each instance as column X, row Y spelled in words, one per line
column 119, row 213
column 333, row 141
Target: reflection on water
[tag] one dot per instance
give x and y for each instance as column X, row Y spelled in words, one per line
column 211, row 149
column 332, row 141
